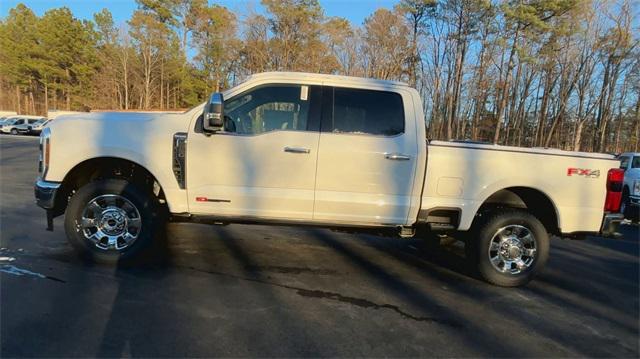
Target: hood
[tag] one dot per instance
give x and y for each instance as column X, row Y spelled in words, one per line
column 113, row 116
column 119, row 125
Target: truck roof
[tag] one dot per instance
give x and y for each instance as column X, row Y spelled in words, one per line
column 533, row 150
column 274, row 75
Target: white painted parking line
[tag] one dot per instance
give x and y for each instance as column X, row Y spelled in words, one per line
column 11, row 269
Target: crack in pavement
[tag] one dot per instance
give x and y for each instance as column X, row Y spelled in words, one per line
column 311, row 293
column 359, row 302
column 290, row 270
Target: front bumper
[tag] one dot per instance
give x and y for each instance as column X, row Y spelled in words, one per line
column 634, row 201
column 610, row 224
column 45, row 192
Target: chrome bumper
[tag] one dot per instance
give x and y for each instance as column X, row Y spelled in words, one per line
column 45, row 193
column 610, row 224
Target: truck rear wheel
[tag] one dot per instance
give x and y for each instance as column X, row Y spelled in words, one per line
column 508, row 248
column 111, row 220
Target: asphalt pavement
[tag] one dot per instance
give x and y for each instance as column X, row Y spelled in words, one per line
column 266, row 291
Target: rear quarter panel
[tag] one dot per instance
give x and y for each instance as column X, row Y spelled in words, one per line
column 464, row 177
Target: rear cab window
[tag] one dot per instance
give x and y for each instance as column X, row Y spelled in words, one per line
column 359, row 111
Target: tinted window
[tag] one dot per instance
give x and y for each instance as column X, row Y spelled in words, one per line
column 636, row 162
column 366, row 112
column 271, row 108
column 624, row 162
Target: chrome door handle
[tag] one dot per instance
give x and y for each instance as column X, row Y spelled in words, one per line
column 396, row 156
column 296, row 149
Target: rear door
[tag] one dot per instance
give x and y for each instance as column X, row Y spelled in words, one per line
column 367, row 157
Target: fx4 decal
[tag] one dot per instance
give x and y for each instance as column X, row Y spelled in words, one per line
column 584, row 172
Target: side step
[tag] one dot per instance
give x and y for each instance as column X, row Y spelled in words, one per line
column 441, row 227
column 406, row 232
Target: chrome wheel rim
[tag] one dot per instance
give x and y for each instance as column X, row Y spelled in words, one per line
column 512, row 249
column 111, row 222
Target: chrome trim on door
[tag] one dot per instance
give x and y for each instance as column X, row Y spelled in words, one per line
column 296, row 149
column 397, row 156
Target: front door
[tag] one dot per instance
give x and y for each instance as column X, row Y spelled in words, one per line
column 367, row 159
column 264, row 163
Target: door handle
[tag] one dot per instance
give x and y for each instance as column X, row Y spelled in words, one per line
column 296, row 149
column 397, row 156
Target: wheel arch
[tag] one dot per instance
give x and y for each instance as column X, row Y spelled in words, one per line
column 106, row 167
column 533, row 200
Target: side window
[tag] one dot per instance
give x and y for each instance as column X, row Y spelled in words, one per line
column 272, row 108
column 366, row 112
column 624, row 162
column 636, row 162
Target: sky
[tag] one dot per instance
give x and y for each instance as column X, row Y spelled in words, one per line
column 353, row 10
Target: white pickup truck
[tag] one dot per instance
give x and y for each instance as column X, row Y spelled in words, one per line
column 320, row 150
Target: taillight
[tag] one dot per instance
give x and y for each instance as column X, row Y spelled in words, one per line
column 615, row 177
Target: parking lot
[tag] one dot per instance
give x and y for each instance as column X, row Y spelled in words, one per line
column 278, row 291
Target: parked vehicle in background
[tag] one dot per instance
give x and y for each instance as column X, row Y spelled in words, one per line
column 321, row 150
column 10, row 125
column 36, row 128
column 630, row 164
column 19, row 124
column 25, row 128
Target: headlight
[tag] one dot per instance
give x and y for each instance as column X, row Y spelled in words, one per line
column 45, row 152
column 636, row 188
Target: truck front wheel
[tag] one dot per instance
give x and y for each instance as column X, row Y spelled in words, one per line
column 508, row 247
column 111, row 220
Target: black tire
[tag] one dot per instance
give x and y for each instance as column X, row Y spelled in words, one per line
column 146, row 204
column 483, row 232
column 14, row 131
column 630, row 212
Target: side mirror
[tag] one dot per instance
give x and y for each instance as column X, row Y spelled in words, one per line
column 213, row 114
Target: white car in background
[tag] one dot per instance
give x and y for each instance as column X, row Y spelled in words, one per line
column 19, row 124
column 25, row 128
column 10, row 125
column 37, row 127
column 630, row 204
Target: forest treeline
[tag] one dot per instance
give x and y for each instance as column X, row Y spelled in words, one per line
column 551, row 73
